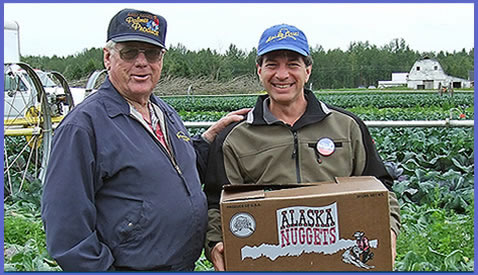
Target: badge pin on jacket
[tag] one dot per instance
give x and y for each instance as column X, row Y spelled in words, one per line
column 325, row 146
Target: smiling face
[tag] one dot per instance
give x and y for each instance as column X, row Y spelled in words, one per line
column 136, row 78
column 284, row 74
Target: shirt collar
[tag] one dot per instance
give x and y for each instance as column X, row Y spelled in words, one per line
column 269, row 118
column 115, row 104
column 316, row 111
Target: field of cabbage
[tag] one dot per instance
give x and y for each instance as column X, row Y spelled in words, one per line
column 434, row 169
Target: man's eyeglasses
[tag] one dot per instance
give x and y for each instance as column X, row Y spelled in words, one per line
column 153, row 55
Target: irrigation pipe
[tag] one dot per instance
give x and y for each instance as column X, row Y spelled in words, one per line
column 380, row 123
column 372, row 123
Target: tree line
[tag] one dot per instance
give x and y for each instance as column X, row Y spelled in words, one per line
column 362, row 64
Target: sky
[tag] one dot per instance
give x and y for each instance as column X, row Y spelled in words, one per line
column 65, row 29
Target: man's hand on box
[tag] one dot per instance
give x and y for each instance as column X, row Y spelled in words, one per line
column 217, row 257
column 394, row 247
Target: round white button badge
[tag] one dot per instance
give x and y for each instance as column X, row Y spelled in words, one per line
column 325, row 146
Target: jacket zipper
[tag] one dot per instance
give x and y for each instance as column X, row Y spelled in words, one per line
column 170, row 155
column 295, row 155
column 173, row 161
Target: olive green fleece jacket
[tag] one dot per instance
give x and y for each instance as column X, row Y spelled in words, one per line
column 262, row 149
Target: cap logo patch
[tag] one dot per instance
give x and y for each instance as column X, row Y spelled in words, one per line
column 143, row 23
column 283, row 33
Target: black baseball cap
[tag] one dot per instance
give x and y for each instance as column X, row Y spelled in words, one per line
column 135, row 25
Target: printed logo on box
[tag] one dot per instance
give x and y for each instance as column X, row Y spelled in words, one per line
column 242, row 225
column 306, row 226
column 304, row 229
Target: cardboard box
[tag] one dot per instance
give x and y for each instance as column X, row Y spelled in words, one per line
column 312, row 227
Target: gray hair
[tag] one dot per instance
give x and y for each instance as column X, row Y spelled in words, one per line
column 110, row 45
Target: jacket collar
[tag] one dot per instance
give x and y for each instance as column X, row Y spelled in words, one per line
column 315, row 111
column 114, row 103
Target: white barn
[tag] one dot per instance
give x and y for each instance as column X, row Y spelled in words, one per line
column 427, row 73
column 398, row 79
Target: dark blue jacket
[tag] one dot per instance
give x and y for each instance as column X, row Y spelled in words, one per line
column 113, row 196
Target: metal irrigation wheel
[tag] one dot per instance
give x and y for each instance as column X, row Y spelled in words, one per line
column 27, row 129
column 67, row 97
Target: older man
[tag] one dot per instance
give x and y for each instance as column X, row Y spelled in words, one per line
column 289, row 136
column 122, row 190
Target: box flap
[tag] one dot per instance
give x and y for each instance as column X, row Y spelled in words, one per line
column 246, row 195
column 367, row 183
column 233, row 192
column 343, row 185
column 251, row 187
column 360, row 184
column 302, row 190
column 367, row 179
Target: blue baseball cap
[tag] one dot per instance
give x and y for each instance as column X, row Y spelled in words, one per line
column 283, row 37
column 134, row 25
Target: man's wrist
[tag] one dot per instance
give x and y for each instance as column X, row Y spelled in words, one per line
column 206, row 137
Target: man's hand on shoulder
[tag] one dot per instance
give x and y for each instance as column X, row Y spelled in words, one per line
column 217, row 127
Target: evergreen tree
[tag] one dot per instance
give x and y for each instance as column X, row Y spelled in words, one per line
column 362, row 64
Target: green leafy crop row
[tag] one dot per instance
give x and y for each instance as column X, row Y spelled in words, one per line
column 343, row 100
column 435, row 239
column 24, row 238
